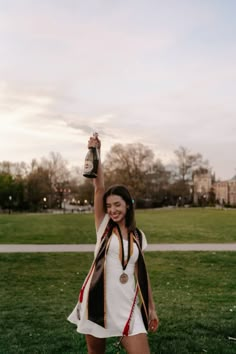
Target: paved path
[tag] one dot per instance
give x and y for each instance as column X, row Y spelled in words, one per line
column 25, row 248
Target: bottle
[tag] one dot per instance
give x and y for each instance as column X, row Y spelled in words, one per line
column 91, row 161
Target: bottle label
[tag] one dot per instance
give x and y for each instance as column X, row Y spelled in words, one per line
column 88, row 166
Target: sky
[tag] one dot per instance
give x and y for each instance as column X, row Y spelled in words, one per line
column 157, row 72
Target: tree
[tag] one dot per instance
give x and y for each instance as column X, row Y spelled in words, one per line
column 38, row 188
column 11, row 191
column 187, row 163
column 5, row 167
column 15, row 169
column 157, row 183
column 6, row 189
column 59, row 176
column 57, row 167
column 180, row 193
column 86, row 192
column 128, row 164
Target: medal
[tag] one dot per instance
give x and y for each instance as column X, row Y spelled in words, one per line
column 124, row 278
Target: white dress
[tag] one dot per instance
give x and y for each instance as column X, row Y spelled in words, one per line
column 119, row 297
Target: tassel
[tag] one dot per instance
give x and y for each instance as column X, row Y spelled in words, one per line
column 118, row 345
column 126, row 329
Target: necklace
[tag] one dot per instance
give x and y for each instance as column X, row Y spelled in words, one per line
column 124, row 276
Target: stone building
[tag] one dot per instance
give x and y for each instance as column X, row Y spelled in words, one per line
column 232, row 191
column 225, row 191
column 202, row 184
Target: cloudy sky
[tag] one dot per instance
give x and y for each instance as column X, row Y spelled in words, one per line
column 162, row 73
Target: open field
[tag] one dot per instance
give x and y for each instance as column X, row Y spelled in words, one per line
column 195, row 295
column 160, row 226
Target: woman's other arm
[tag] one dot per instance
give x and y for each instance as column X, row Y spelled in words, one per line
column 153, row 318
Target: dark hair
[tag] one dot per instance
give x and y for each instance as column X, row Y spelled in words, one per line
column 122, row 191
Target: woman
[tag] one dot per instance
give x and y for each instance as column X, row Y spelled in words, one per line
column 116, row 298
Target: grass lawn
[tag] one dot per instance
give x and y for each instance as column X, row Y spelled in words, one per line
column 161, row 226
column 195, row 293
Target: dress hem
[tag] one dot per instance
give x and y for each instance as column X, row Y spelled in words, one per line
column 109, row 335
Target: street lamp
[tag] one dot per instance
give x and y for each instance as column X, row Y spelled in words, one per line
column 44, row 202
column 204, row 200
column 10, row 200
column 179, row 201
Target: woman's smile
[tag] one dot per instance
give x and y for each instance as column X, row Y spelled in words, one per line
column 116, row 208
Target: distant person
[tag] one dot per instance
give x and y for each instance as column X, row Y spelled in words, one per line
column 116, row 297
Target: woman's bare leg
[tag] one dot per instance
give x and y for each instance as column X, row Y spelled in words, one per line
column 137, row 344
column 95, row 345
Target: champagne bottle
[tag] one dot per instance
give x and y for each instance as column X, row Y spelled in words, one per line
column 91, row 161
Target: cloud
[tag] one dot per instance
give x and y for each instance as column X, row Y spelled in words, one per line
column 161, row 73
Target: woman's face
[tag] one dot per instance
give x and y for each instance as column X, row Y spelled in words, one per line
column 116, row 208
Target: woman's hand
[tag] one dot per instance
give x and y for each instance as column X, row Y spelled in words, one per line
column 94, row 142
column 153, row 321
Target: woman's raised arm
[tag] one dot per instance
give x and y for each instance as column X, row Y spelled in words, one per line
column 98, row 183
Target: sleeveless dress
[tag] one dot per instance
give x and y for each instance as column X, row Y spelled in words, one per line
column 119, row 297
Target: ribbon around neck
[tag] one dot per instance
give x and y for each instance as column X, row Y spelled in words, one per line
column 124, row 262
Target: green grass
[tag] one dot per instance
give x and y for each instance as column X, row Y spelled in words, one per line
column 160, row 226
column 188, row 225
column 195, row 294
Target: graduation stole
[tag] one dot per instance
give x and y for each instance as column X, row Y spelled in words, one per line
column 96, row 296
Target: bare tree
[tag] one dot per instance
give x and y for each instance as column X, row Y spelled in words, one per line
column 59, row 176
column 57, row 167
column 16, row 169
column 157, row 181
column 38, row 188
column 187, row 163
column 128, row 164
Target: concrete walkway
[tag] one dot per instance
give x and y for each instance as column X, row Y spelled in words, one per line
column 26, row 248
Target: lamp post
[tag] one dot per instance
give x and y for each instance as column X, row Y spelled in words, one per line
column 204, row 200
column 64, row 208
column 44, row 203
column 10, row 201
column 179, row 201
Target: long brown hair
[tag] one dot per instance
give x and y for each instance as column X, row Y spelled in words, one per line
column 122, row 191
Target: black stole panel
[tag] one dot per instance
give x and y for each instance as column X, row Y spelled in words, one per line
column 142, row 280
column 96, row 306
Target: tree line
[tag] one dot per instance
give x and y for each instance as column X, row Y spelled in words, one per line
column 48, row 183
